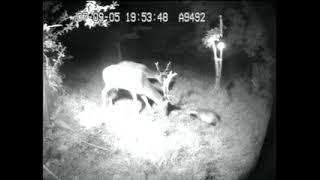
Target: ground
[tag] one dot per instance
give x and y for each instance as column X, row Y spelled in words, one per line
column 86, row 141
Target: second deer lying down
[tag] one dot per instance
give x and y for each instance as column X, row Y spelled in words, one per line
column 133, row 77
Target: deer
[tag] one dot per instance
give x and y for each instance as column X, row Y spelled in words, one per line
column 134, row 77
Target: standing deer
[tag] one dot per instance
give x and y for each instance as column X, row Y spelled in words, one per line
column 133, row 77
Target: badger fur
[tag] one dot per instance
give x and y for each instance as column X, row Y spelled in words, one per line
column 205, row 115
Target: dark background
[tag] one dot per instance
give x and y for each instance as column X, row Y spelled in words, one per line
column 177, row 42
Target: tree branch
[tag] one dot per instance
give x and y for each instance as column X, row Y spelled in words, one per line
column 50, row 172
column 98, row 147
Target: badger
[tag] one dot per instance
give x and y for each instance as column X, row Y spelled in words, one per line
column 205, row 115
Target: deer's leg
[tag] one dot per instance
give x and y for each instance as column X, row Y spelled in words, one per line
column 145, row 99
column 104, row 94
column 153, row 94
column 135, row 99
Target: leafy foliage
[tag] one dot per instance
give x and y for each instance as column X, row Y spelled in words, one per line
column 54, row 54
column 211, row 36
column 53, row 50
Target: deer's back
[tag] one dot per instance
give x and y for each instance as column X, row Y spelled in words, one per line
column 138, row 67
column 123, row 77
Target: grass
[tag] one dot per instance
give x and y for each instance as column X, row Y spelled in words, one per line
column 87, row 142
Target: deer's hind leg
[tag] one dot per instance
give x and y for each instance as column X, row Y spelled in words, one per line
column 135, row 99
column 104, row 96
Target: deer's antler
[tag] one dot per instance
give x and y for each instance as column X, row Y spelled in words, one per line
column 157, row 66
column 166, row 78
column 167, row 67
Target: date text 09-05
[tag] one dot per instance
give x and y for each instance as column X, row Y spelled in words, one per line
column 183, row 17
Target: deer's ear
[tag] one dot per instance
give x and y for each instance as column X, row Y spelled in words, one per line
column 174, row 75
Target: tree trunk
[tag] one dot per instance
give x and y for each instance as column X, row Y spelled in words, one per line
column 45, row 120
column 118, row 46
column 45, row 103
column 218, row 65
